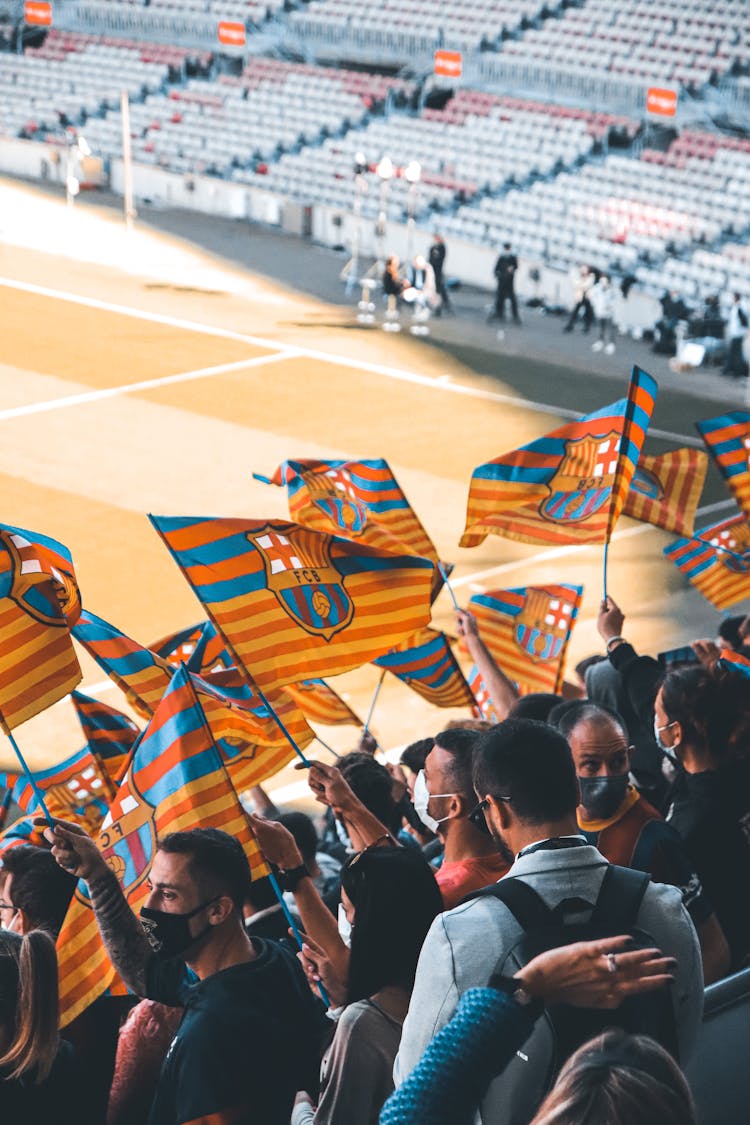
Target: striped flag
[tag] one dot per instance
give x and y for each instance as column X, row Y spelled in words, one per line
column 483, row 708
column 38, row 602
column 320, row 703
column 427, row 664
column 5, row 802
column 245, row 730
column 21, row 831
column 730, row 661
column 110, row 735
column 566, row 487
column 717, row 561
column 202, row 649
column 199, row 647
column 293, row 603
column 727, row 439
column 176, row 781
column 665, row 489
column 77, row 789
column 527, row 631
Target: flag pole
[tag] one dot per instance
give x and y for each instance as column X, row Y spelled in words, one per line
column 604, row 570
column 305, row 761
column 448, row 586
column 294, row 928
column 325, row 746
column 30, row 778
column 366, row 727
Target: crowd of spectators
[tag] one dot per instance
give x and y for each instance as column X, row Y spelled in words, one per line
column 516, row 920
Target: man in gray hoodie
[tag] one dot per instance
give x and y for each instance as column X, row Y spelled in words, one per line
column 526, row 784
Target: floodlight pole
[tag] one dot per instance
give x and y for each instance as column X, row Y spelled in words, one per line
column 127, row 161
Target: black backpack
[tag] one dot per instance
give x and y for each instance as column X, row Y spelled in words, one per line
column 615, row 912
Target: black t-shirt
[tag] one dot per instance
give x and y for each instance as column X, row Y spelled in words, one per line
column 505, row 269
column 248, row 1041
column 711, row 811
column 55, row 1099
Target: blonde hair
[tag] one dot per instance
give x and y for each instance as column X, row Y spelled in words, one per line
column 619, row 1079
column 29, row 1005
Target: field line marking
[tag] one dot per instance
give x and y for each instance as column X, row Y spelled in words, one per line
column 135, row 388
column 397, row 373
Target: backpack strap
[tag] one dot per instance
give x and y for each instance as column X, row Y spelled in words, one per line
column 620, row 898
column 526, row 906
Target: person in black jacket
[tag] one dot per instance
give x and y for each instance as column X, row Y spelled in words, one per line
column 436, row 258
column 505, row 273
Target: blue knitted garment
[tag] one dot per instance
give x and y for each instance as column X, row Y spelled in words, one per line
column 452, row 1076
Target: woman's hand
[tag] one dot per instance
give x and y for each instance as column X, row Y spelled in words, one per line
column 596, row 974
column 319, row 968
column 329, row 786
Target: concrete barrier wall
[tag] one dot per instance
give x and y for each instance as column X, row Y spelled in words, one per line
column 467, row 262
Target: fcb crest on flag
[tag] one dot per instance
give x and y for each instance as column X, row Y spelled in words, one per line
column 583, row 483
column 304, row 579
column 717, row 561
column 527, row 631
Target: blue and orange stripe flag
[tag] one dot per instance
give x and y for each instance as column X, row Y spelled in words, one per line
column 246, row 732
column 716, row 561
column 427, row 665
column 203, row 650
column 77, row 789
column 527, row 631
column 483, row 705
column 20, row 831
column 730, row 661
column 39, row 601
column 566, row 487
column 727, row 439
column 295, row 604
column 666, row 489
column 176, row 781
column 110, row 735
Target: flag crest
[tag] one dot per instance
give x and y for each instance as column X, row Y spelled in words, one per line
column 717, row 561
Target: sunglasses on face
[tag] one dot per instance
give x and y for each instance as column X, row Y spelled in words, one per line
column 477, row 815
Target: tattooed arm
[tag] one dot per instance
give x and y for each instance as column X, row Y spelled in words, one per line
column 123, row 936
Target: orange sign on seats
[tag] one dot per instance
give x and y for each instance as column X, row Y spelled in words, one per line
column 232, row 34
column 38, row 12
column 448, row 64
column 661, row 102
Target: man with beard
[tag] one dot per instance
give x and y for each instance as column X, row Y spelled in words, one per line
column 526, row 785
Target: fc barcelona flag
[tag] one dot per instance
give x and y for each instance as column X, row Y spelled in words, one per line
column 239, row 719
column 109, row 734
column 320, row 703
column 199, row 647
column 483, row 706
column 427, row 664
column 293, row 603
column 728, row 441
column 21, row 831
column 567, row 487
column 527, row 631
column 78, row 789
column 176, row 781
column 717, row 561
column 730, row 661
column 39, row 601
column 202, row 649
column 665, row 489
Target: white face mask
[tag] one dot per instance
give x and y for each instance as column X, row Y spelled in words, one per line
column 422, row 798
column 345, row 927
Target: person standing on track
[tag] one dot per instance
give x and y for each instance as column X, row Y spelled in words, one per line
column 436, row 258
column 505, row 272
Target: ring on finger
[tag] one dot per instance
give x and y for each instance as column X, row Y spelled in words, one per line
column 611, row 962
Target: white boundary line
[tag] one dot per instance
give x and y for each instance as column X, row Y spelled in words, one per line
column 571, row 549
column 397, row 373
column 134, row 388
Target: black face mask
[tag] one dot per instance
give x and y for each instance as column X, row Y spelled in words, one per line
column 169, row 934
column 601, row 797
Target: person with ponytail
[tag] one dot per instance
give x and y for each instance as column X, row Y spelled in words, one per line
column 702, row 726
column 37, row 1069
